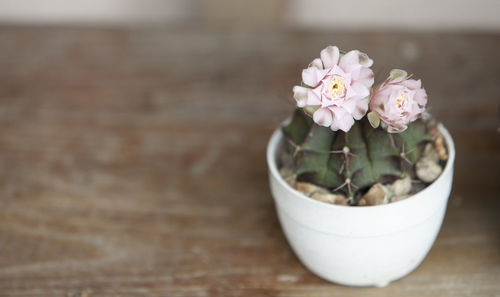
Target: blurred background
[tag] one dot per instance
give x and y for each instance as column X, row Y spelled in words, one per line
column 133, row 136
column 357, row 14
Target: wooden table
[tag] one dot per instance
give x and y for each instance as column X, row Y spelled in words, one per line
column 132, row 161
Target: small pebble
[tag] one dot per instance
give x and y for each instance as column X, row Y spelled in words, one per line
column 443, row 155
column 378, row 194
column 320, row 194
column 430, row 152
column 400, row 187
column 330, row 198
column 308, row 189
column 438, row 140
column 427, row 169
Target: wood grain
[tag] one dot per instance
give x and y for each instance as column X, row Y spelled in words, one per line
column 132, row 161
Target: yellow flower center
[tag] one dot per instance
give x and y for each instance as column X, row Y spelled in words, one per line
column 400, row 100
column 336, row 87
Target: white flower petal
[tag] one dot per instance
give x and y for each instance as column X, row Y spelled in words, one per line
column 412, row 84
column 357, row 107
column 360, row 89
column 312, row 76
column 330, row 56
column 300, row 95
column 365, row 60
column 366, row 77
column 349, row 59
column 421, row 97
column 341, row 120
column 314, row 96
column 323, row 117
column 317, row 63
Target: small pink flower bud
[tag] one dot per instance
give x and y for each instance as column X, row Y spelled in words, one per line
column 398, row 101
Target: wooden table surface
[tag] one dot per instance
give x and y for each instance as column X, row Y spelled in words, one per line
column 132, row 161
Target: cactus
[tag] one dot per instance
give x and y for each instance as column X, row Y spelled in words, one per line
column 351, row 162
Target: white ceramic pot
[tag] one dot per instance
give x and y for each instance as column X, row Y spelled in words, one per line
column 360, row 246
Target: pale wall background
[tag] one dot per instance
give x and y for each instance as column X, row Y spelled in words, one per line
column 353, row 14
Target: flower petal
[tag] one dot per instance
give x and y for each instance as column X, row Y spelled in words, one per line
column 360, row 89
column 357, row 107
column 421, row 97
column 366, row 77
column 314, row 96
column 349, row 60
column 330, row 56
column 412, row 84
column 317, row 63
column 342, row 119
column 300, row 94
column 364, row 60
column 336, row 70
column 323, row 117
column 312, row 76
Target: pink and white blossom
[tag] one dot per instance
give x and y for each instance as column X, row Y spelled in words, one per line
column 336, row 88
column 397, row 102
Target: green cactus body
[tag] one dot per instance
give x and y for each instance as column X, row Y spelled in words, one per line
column 352, row 162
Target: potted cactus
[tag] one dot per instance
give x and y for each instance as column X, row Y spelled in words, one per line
column 360, row 173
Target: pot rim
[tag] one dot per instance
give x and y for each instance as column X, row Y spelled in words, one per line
column 277, row 136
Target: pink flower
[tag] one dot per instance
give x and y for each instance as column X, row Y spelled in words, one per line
column 397, row 102
column 336, row 88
